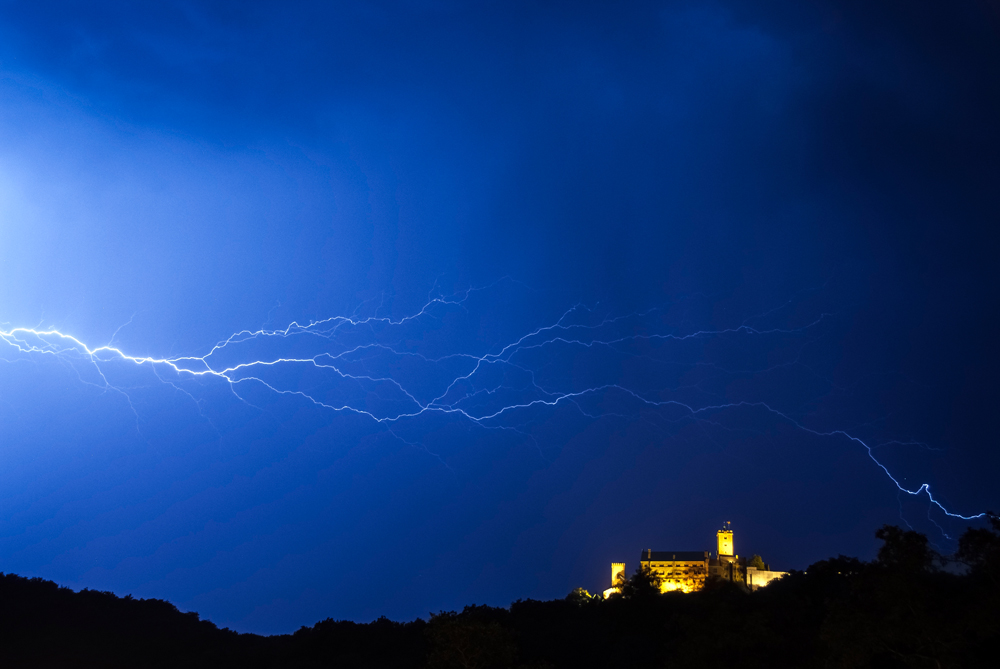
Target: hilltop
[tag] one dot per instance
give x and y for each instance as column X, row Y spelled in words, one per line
column 908, row 608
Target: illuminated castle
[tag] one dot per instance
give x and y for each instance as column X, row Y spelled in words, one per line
column 687, row 571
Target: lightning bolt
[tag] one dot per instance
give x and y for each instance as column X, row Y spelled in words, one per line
column 364, row 363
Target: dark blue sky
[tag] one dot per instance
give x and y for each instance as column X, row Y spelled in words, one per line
column 743, row 226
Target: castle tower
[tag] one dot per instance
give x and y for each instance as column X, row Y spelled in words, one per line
column 617, row 568
column 725, row 536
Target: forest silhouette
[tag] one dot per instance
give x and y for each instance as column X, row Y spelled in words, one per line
column 910, row 607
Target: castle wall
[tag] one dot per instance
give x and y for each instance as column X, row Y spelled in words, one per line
column 617, row 572
column 760, row 578
column 679, row 575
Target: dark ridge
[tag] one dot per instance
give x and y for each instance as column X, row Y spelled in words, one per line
column 911, row 607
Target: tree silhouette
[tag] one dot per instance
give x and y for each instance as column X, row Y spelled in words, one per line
column 473, row 639
column 979, row 549
column 579, row 596
column 904, row 551
column 644, row 583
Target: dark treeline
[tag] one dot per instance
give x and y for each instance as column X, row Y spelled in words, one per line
column 909, row 608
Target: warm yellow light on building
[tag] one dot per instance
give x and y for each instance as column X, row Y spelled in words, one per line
column 617, row 570
column 687, row 571
column 725, row 538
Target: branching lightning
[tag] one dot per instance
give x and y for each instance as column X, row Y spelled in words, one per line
column 361, row 363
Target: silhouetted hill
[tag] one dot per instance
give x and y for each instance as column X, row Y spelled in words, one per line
column 45, row 625
column 908, row 608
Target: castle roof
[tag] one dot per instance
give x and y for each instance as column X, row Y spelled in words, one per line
column 673, row 556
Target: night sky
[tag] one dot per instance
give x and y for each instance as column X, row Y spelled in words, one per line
column 459, row 302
